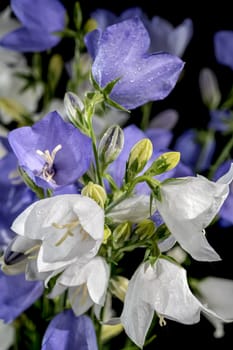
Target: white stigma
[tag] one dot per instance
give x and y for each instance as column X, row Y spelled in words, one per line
column 48, row 171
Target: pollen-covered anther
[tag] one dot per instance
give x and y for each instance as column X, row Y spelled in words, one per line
column 48, row 170
column 162, row 321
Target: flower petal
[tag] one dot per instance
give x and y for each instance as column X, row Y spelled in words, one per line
column 66, row 331
column 143, row 77
column 17, row 295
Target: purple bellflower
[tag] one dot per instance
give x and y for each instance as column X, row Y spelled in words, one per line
column 121, row 52
column 17, row 295
column 53, row 152
column 223, row 46
column 221, row 120
column 164, row 36
column 193, row 154
column 40, row 20
column 69, row 332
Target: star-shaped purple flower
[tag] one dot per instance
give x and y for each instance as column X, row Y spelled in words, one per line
column 40, row 19
column 53, row 152
column 121, row 52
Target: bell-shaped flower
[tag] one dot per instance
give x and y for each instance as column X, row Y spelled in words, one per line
column 40, row 20
column 133, row 209
column 87, row 285
column 188, row 205
column 161, row 288
column 17, row 295
column 53, row 152
column 217, row 293
column 69, row 332
column 143, row 77
column 223, row 46
column 70, row 228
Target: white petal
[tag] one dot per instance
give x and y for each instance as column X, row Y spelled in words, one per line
column 188, row 205
column 94, row 274
column 79, row 299
column 7, row 335
column 132, row 209
column 217, row 293
column 169, row 292
column 91, row 216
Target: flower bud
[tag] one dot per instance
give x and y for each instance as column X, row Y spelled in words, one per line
column 118, row 286
column 209, row 88
column 96, row 192
column 138, row 158
column 111, row 144
column 121, row 233
column 73, row 105
column 107, row 234
column 167, row 161
column 145, row 229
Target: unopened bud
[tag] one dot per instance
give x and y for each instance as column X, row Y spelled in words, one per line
column 167, row 161
column 138, row 158
column 111, row 144
column 73, row 105
column 96, row 192
column 118, row 286
column 121, row 233
column 210, row 93
column 145, row 229
column 107, row 234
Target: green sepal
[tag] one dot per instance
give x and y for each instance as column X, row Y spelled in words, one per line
column 31, row 184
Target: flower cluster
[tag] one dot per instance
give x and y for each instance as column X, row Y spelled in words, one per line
column 84, row 188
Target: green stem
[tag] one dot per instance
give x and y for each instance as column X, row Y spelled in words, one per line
column 95, row 151
column 146, row 111
column 222, row 157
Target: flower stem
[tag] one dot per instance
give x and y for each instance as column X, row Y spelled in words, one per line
column 222, row 157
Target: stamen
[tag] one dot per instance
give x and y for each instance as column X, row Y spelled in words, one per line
column 35, row 247
column 71, row 225
column 162, row 321
column 48, row 171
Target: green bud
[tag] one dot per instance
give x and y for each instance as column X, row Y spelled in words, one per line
column 138, row 158
column 73, row 105
column 165, row 162
column 111, row 145
column 107, row 234
column 145, row 229
column 96, row 192
column 210, row 93
column 118, row 286
column 121, row 233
